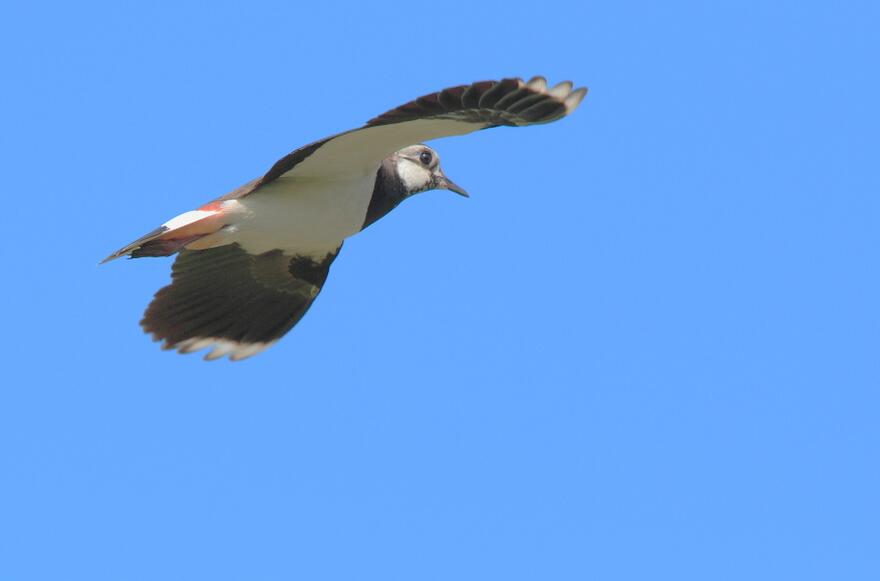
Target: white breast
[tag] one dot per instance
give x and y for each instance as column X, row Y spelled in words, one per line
column 304, row 215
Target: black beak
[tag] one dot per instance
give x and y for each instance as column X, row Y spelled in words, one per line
column 443, row 183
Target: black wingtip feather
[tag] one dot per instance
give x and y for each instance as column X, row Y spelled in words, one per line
column 494, row 103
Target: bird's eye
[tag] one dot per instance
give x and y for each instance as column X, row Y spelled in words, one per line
column 425, row 157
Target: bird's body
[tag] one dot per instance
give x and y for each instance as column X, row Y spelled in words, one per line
column 251, row 262
column 312, row 221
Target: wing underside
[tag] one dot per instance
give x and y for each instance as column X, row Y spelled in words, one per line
column 453, row 111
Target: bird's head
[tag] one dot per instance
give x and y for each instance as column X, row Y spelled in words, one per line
column 418, row 168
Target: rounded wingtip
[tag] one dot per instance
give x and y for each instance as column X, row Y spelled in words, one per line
column 218, row 347
column 537, row 83
column 560, row 90
column 574, row 98
column 563, row 93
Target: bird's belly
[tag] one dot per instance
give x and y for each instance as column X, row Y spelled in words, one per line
column 302, row 216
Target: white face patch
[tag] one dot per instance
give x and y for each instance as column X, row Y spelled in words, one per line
column 414, row 175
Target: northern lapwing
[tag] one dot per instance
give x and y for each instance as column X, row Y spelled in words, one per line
column 250, row 263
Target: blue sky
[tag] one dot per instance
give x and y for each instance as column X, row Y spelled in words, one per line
column 645, row 348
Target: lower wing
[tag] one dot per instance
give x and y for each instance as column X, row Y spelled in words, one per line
column 233, row 302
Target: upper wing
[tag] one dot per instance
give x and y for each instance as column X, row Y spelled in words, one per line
column 453, row 111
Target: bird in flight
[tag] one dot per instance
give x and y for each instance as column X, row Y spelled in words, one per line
column 250, row 263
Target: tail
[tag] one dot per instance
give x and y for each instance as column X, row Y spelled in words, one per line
column 179, row 232
column 151, row 244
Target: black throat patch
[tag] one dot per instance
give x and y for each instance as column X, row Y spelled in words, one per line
column 388, row 192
